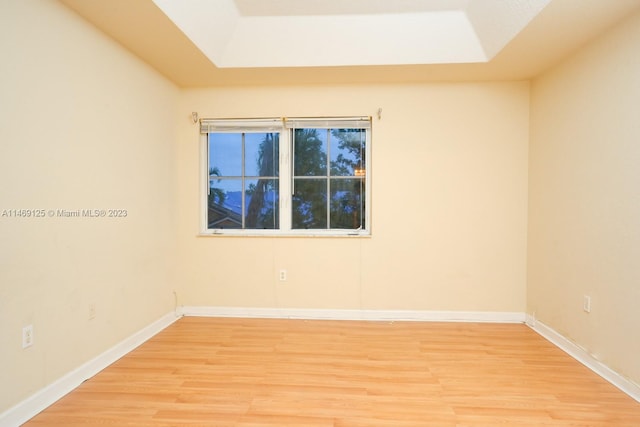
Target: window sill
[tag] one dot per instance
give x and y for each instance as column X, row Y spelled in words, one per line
column 279, row 233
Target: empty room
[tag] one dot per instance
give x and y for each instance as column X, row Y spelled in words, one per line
column 252, row 213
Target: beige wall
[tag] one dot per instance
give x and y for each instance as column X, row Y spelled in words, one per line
column 584, row 229
column 83, row 125
column 449, row 204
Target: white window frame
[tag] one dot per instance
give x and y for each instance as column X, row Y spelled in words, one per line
column 285, row 127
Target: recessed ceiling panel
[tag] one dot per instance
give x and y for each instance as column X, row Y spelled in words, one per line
column 443, row 37
column 294, row 33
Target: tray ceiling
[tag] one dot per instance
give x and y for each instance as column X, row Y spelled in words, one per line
column 199, row 43
column 293, row 33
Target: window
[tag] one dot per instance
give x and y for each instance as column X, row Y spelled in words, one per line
column 286, row 176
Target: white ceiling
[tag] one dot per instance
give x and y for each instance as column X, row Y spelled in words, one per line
column 201, row 43
column 294, row 33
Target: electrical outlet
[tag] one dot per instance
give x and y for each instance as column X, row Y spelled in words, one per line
column 586, row 304
column 283, row 275
column 27, row 336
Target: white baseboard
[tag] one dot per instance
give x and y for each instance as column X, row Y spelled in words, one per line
column 39, row 401
column 584, row 357
column 380, row 315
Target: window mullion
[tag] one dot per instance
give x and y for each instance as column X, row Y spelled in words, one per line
column 242, row 188
column 286, row 179
column 328, row 178
column 367, row 181
column 208, row 169
column 292, row 166
column 204, row 223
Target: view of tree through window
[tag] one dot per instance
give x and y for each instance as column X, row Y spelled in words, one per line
column 296, row 176
column 243, row 180
column 328, row 178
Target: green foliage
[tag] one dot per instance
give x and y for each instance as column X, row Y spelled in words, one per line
column 347, row 198
column 261, row 214
column 310, row 199
column 321, row 199
column 216, row 195
column 351, row 141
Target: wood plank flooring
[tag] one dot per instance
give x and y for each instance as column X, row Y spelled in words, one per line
column 229, row 372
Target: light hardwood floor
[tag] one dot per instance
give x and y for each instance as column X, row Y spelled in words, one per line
column 273, row 372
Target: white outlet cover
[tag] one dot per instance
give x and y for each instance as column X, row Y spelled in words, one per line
column 27, row 336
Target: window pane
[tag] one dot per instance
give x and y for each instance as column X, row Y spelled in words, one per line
column 261, row 154
column 225, row 154
column 262, row 201
column 224, row 208
column 310, row 152
column 309, row 204
column 347, row 203
column 347, row 152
